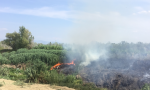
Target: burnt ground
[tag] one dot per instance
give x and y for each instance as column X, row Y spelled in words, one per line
column 114, row 76
column 121, row 78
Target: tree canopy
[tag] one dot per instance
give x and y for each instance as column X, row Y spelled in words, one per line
column 23, row 39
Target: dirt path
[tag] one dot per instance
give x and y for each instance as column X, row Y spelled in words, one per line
column 9, row 85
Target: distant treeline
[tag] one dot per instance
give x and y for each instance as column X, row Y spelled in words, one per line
column 117, row 50
column 130, row 50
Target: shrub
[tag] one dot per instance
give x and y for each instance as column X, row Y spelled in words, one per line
column 36, row 71
column 50, row 59
column 4, row 71
column 3, row 60
column 19, row 83
column 69, row 79
column 54, row 77
column 146, row 87
column 17, row 76
column 13, row 74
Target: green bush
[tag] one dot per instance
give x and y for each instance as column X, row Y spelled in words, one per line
column 146, row 87
column 19, row 83
column 3, row 60
column 70, row 79
column 50, row 59
column 36, row 71
column 14, row 74
column 4, row 71
column 54, row 77
column 17, row 76
column 6, row 54
column 11, row 73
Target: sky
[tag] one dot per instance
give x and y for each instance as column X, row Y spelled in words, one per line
column 78, row 21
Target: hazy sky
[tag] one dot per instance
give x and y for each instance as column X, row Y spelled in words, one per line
column 78, row 20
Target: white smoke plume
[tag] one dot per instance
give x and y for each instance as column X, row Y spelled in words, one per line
column 87, row 52
column 93, row 56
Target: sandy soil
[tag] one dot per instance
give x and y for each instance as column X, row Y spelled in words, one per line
column 9, row 85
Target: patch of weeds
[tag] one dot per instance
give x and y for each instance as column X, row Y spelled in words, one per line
column 1, row 84
column 19, row 83
column 17, row 76
column 4, row 71
column 146, row 87
column 52, row 86
column 30, row 83
column 5, row 77
column 13, row 74
column 36, row 72
column 87, row 86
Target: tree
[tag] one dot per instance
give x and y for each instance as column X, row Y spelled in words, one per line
column 23, row 39
column 26, row 39
column 12, row 40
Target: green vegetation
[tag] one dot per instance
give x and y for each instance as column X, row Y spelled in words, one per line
column 19, row 48
column 23, row 39
column 13, row 74
column 128, row 50
column 1, row 84
column 146, row 87
column 38, row 72
column 87, row 86
column 4, row 71
column 38, row 62
column 40, row 58
column 50, row 47
column 50, row 57
column 19, row 83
